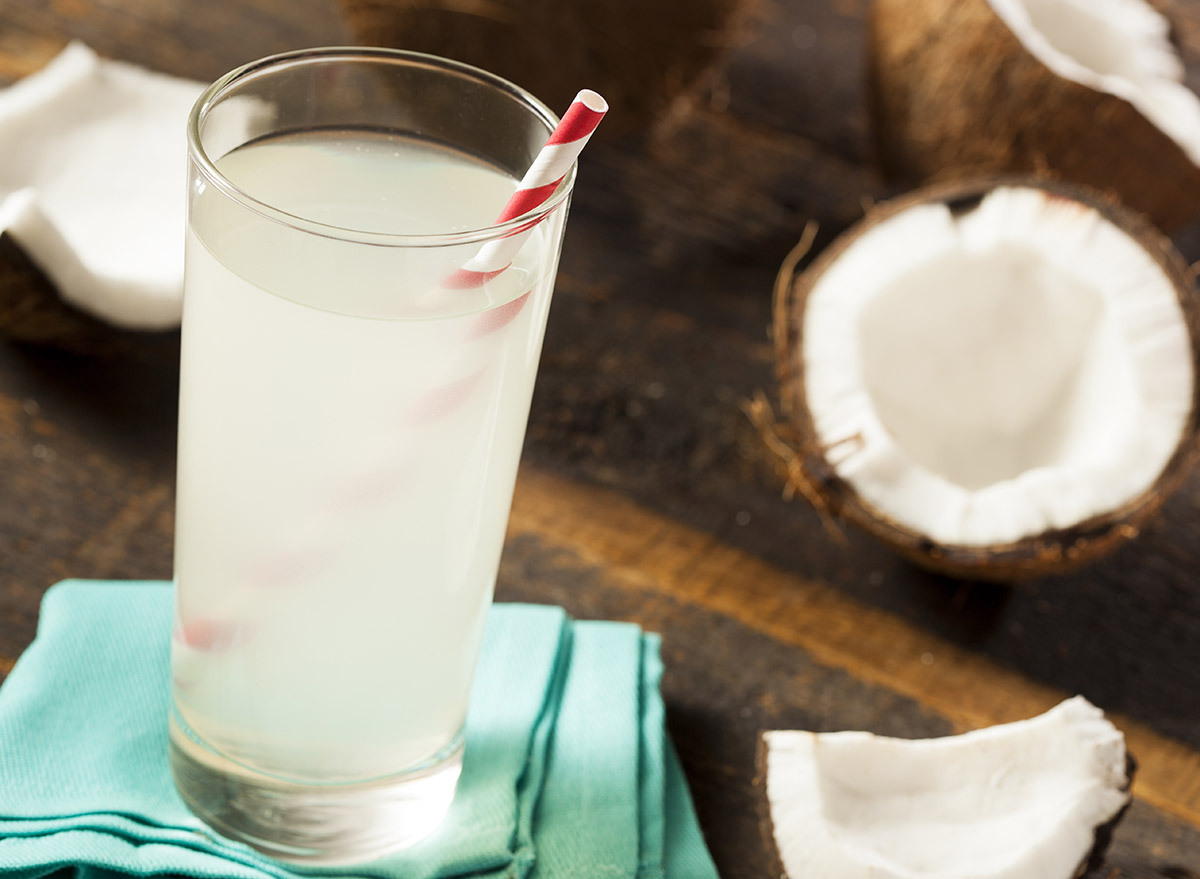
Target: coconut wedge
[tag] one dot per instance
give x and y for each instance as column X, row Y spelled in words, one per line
column 997, row 380
column 1090, row 90
column 92, row 161
column 1037, row 799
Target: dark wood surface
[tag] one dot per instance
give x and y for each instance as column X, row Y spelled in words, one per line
column 645, row 493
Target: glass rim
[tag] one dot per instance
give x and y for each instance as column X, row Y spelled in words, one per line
column 218, row 90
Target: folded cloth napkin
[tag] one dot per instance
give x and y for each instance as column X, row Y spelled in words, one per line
column 567, row 770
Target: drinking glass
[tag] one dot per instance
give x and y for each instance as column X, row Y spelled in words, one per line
column 349, row 433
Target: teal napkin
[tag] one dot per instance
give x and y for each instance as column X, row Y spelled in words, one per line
column 567, row 770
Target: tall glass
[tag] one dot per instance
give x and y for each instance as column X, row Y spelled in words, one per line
column 349, row 433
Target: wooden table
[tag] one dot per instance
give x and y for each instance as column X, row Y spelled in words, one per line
column 644, row 492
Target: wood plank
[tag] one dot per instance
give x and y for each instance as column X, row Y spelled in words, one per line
column 659, row 329
column 197, row 41
column 725, row 682
column 88, row 462
column 648, row 405
column 663, row 556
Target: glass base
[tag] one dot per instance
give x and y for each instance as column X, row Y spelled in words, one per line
column 331, row 824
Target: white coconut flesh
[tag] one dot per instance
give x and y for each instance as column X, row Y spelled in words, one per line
column 982, row 378
column 1121, row 47
column 1017, row 801
column 92, row 163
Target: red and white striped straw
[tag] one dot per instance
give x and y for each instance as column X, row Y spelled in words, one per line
column 539, row 183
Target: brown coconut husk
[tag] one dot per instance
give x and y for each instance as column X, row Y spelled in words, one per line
column 640, row 56
column 33, row 313
column 1093, row 860
column 956, row 95
column 1051, row 552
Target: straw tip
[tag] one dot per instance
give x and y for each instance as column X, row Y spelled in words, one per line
column 592, row 101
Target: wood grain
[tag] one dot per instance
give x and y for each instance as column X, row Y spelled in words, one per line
column 662, row 556
column 726, row 682
column 645, row 493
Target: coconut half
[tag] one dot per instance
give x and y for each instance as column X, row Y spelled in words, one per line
column 1036, row 799
column 1091, row 90
column 997, row 380
column 92, row 163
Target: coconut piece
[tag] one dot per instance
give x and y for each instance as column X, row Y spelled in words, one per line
column 1036, row 799
column 31, row 310
column 996, row 380
column 1091, row 90
column 640, row 56
column 92, row 162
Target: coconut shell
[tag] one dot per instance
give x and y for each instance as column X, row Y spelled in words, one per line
column 956, row 95
column 1093, row 860
column 1103, row 834
column 32, row 312
column 639, row 56
column 1051, row 552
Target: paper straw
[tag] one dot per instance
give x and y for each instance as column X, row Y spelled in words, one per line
column 539, row 183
